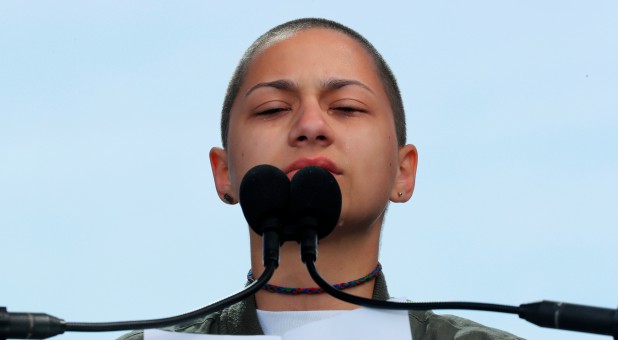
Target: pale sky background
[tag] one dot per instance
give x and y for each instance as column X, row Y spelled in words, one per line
column 108, row 110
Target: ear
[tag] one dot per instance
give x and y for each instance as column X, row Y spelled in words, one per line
column 220, row 172
column 406, row 174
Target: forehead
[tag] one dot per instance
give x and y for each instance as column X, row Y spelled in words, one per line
column 316, row 52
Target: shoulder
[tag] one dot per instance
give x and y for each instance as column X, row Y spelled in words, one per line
column 238, row 319
column 427, row 325
column 135, row 335
column 203, row 325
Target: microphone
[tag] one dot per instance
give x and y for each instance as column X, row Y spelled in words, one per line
column 42, row 326
column 264, row 193
column 312, row 201
column 29, row 325
column 571, row 317
column 315, row 206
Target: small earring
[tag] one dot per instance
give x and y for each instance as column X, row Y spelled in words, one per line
column 399, row 194
column 228, row 198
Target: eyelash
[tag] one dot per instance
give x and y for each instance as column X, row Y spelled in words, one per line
column 348, row 109
column 272, row 111
column 344, row 109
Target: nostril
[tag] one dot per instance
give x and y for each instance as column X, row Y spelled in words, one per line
column 302, row 138
column 321, row 137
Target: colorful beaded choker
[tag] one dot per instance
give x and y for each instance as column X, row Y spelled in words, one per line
column 316, row 290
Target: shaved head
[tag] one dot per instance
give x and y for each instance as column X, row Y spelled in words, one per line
column 289, row 29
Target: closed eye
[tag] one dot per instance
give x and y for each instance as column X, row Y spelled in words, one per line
column 272, row 111
column 348, row 109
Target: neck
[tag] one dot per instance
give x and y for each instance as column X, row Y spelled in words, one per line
column 342, row 257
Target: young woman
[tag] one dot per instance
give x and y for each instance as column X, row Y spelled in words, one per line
column 314, row 92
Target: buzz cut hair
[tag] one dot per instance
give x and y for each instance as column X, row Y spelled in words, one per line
column 290, row 28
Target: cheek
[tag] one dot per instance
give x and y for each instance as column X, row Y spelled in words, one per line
column 375, row 147
column 373, row 164
column 239, row 161
column 366, row 188
column 247, row 151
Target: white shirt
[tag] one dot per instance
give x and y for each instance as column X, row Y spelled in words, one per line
column 278, row 323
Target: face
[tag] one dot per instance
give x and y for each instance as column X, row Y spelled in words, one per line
column 316, row 99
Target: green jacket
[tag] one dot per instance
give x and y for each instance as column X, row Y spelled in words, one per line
column 241, row 319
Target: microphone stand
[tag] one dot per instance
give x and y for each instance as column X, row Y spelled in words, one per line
column 315, row 207
column 263, row 197
column 544, row 313
column 42, row 326
column 548, row 314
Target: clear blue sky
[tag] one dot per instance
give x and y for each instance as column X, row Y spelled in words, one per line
column 108, row 109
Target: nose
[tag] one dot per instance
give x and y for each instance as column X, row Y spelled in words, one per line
column 310, row 127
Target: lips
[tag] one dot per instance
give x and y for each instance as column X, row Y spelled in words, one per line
column 322, row 162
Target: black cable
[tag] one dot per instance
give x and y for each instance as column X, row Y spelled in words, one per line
column 549, row 314
column 403, row 305
column 158, row 323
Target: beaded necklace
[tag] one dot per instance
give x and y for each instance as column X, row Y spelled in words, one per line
column 316, row 290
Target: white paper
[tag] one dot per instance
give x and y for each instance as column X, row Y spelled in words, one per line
column 358, row 324
column 156, row 334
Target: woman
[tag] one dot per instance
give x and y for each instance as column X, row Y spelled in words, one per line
column 314, row 92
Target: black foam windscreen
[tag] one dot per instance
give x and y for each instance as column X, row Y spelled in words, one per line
column 264, row 193
column 315, row 193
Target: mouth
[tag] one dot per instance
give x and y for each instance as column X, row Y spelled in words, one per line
column 322, row 162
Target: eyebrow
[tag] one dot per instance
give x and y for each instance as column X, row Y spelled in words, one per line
column 281, row 84
column 328, row 85
column 335, row 84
